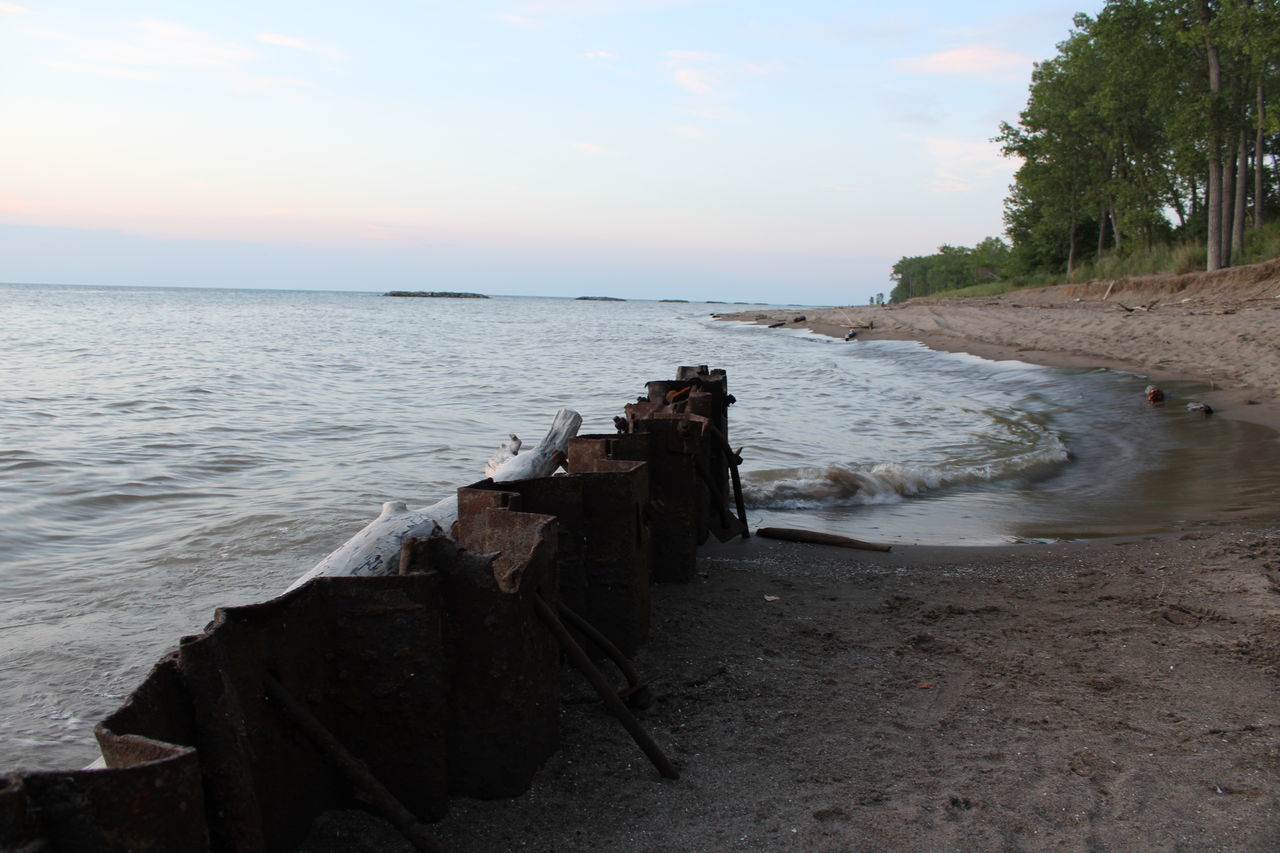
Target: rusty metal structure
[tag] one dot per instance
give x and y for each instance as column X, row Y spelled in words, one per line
column 396, row 693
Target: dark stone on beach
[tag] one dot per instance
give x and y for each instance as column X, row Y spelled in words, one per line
column 437, row 294
column 799, row 319
column 600, row 299
column 673, row 300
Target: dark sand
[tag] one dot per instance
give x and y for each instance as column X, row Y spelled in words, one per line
column 1107, row 695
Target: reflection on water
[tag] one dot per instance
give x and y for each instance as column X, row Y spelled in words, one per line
column 163, row 452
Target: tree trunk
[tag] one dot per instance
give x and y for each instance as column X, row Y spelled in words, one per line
column 1071, row 250
column 1115, row 226
column 1102, row 233
column 1242, row 180
column 1214, row 195
column 1213, row 192
column 1229, row 184
column 1258, row 194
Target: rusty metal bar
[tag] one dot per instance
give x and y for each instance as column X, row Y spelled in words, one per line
column 737, row 493
column 605, row 691
column 635, row 687
column 357, row 773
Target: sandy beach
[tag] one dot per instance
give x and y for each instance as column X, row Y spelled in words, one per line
column 1113, row 694
column 1220, row 328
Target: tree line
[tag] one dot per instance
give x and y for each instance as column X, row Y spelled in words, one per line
column 1152, row 125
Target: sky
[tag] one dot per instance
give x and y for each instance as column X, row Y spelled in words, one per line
column 705, row 149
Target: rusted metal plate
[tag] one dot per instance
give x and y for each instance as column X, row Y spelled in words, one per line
column 504, row 701
column 670, row 452
column 153, row 806
column 603, row 541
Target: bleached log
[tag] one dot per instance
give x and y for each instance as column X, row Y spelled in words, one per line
column 375, row 550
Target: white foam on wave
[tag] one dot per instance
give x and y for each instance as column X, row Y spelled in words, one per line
column 889, row 482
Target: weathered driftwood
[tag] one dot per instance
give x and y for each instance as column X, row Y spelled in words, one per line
column 791, row 534
column 375, row 550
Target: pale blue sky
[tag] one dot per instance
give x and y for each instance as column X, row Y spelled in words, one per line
column 641, row 148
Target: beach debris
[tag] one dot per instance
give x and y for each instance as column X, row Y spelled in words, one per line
column 791, row 534
column 777, row 325
column 1154, row 395
column 1111, row 285
column 1198, row 408
column 505, row 451
column 798, row 319
column 773, row 598
column 852, row 335
column 925, row 685
column 375, row 550
column 611, row 700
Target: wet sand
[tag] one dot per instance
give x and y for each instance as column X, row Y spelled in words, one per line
column 1115, row 694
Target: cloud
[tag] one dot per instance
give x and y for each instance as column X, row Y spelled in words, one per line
column 150, row 44
column 696, row 80
column 755, row 68
column 13, row 9
column 690, row 130
column 975, row 59
column 675, row 57
column 101, row 70
column 589, row 147
column 327, row 51
column 527, row 11
column 694, row 70
column 599, row 54
column 962, row 165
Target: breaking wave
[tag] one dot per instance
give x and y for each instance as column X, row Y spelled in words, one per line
column 889, row 482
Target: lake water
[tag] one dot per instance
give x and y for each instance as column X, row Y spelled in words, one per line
column 167, row 451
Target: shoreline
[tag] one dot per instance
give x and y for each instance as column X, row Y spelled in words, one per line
column 1225, row 338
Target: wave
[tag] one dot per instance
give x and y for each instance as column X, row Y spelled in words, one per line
column 889, row 482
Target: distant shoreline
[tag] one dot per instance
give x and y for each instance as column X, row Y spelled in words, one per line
column 436, row 294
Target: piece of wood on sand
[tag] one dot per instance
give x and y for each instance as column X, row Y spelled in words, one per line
column 791, row 534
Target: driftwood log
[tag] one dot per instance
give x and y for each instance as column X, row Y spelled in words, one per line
column 375, row 550
column 791, row 534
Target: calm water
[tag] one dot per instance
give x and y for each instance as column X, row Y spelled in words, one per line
column 164, row 452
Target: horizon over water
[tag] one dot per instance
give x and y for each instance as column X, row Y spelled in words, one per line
column 165, row 451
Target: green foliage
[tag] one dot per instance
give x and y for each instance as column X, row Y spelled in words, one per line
column 951, row 267
column 1143, row 109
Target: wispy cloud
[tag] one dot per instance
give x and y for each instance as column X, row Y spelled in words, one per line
column 690, row 130
column 13, row 9
column 599, row 54
column 589, row 147
column 150, row 44
column 694, row 71
column 156, row 49
column 101, row 70
column 962, row 165
column 973, row 59
column 325, row 50
column 532, row 9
